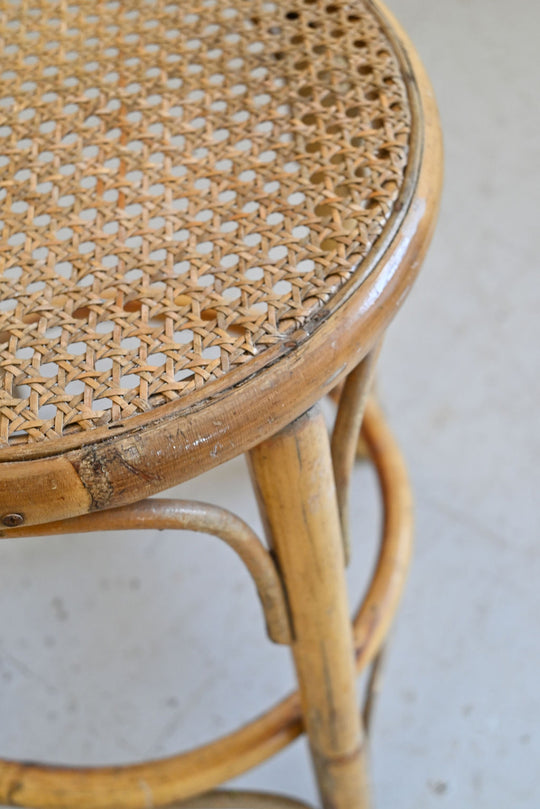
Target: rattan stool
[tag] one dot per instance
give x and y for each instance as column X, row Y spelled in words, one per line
column 210, row 213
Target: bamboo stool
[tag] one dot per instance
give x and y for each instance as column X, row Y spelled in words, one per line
column 210, row 213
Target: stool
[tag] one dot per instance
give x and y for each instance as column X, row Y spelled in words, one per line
column 211, row 212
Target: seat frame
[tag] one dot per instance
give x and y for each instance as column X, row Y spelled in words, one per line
column 100, row 481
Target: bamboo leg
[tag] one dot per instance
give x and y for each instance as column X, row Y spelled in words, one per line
column 293, row 477
column 346, row 440
column 159, row 783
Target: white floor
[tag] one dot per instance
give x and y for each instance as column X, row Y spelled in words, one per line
column 111, row 648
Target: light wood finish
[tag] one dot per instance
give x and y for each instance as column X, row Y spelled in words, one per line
column 90, row 422
column 217, row 213
column 373, row 689
column 188, row 774
column 153, row 783
column 293, row 478
column 233, row 799
column 139, row 456
column 188, row 515
column 375, row 616
column 346, row 434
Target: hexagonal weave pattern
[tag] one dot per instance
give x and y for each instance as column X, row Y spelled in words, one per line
column 182, row 184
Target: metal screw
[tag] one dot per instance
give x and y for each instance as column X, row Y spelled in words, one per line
column 11, row 520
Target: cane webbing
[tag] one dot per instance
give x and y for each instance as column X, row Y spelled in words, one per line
column 182, row 184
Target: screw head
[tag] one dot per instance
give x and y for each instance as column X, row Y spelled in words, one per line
column 12, row 520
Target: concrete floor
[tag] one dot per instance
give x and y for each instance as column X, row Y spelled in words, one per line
column 111, row 648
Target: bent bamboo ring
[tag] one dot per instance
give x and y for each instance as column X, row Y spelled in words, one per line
column 162, row 782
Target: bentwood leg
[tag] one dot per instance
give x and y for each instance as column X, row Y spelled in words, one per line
column 293, row 476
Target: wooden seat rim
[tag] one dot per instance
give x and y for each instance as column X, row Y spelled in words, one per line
column 43, row 443
column 56, row 480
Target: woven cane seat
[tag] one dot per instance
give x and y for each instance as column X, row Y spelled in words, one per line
column 183, row 186
column 189, row 194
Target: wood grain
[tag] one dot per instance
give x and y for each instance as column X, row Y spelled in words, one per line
column 293, row 478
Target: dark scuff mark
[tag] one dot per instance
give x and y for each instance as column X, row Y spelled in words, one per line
column 11, row 794
column 93, row 472
column 102, row 471
column 133, row 469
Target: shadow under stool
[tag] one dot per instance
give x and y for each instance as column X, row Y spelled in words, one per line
column 210, row 213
